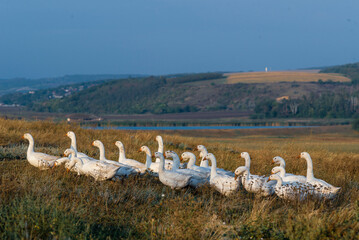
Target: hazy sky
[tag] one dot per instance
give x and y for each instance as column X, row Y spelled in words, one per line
column 40, row 38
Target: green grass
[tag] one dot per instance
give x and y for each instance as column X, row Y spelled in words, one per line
column 56, row 204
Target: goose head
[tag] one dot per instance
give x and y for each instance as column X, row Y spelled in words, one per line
column 69, row 151
column 276, row 170
column 201, row 148
column 187, row 156
column 97, row 143
column 240, row 171
column 145, row 149
column 244, row 155
column 119, row 144
column 28, row 137
column 70, row 134
column 209, row 156
column 304, row 155
column 274, row 177
column 170, row 154
column 277, row 160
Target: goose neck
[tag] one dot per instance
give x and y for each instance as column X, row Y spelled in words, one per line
column 213, row 167
column 191, row 162
column 310, row 174
column 148, row 159
column 30, row 149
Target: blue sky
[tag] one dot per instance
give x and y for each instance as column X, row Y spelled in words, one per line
column 40, row 38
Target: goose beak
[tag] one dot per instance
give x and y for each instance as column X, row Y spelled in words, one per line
column 272, row 172
column 65, row 155
column 236, row 177
column 181, row 159
column 67, row 170
column 273, row 162
column 139, row 150
column 93, row 144
column 298, row 157
column 269, row 179
column 23, row 137
column 153, row 155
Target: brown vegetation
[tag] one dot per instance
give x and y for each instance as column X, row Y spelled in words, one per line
column 56, row 204
column 276, row 77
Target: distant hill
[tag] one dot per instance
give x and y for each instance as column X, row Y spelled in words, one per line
column 204, row 92
column 349, row 70
column 25, row 85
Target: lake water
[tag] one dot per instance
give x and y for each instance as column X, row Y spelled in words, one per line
column 197, row 127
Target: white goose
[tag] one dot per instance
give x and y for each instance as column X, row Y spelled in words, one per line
column 124, row 169
column 199, row 178
column 222, row 183
column 191, row 158
column 161, row 150
column 254, row 183
column 288, row 178
column 293, row 191
column 99, row 170
column 173, row 179
column 281, row 162
column 202, row 154
column 321, row 188
column 140, row 167
column 40, row 160
column 152, row 166
column 72, row 136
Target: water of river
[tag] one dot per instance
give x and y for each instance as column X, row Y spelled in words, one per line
column 160, row 128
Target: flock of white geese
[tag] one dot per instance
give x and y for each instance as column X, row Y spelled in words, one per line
column 176, row 175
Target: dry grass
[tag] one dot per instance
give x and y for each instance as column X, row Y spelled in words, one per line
column 276, row 77
column 54, row 204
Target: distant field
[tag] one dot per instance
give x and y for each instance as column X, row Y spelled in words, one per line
column 275, row 77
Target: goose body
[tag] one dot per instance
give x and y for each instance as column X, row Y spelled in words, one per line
column 173, row 179
column 222, row 183
column 99, row 170
column 40, row 160
column 322, row 189
column 293, row 191
column 198, row 178
column 288, row 178
column 254, row 183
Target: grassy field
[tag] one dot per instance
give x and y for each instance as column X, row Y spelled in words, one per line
column 56, row 204
column 276, row 77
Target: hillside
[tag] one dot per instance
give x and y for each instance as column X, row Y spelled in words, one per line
column 203, row 93
column 25, row 85
column 349, row 70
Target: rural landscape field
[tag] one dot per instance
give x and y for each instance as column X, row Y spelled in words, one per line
column 54, row 204
column 284, row 76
